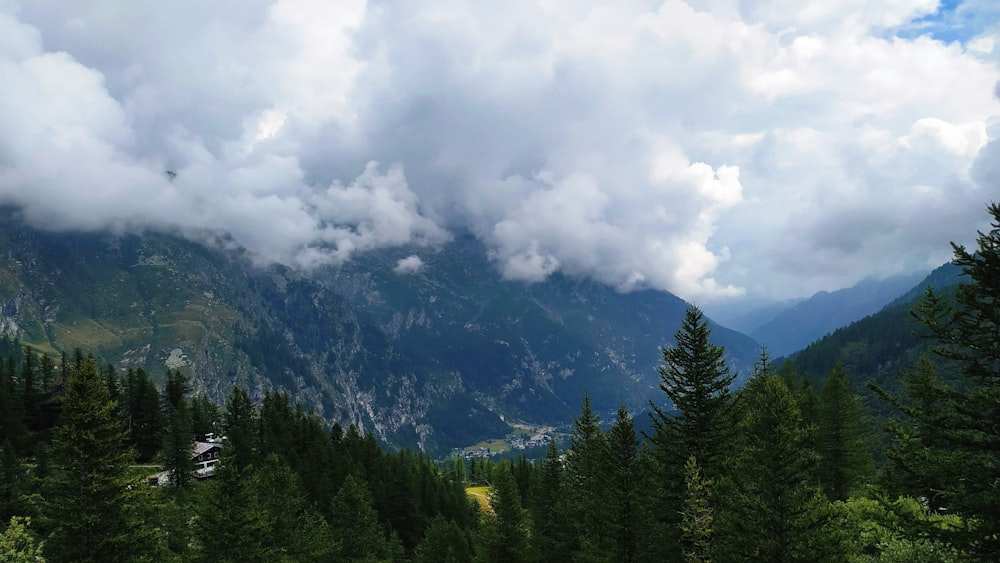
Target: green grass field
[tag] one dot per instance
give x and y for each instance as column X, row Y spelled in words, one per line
column 479, row 493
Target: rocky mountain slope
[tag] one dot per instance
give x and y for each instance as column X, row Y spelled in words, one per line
column 433, row 358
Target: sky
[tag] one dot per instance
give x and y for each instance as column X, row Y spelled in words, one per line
column 723, row 150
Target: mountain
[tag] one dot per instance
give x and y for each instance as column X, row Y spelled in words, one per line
column 795, row 327
column 878, row 347
column 435, row 358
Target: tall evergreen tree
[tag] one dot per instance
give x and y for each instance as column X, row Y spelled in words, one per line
column 356, row 529
column 84, row 496
column 178, row 438
column 697, row 423
column 240, row 425
column 626, row 485
column 586, row 466
column 549, row 515
column 843, row 438
column 143, row 410
column 444, row 542
column 696, row 380
column 696, row 515
column 967, row 334
column 504, row 535
column 774, row 511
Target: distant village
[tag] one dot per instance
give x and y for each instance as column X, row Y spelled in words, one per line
column 513, row 443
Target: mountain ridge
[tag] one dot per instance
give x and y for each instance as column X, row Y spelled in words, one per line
column 430, row 359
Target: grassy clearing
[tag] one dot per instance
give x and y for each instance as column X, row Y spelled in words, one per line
column 479, row 493
column 492, row 445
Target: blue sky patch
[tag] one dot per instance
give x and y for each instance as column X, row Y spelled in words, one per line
column 954, row 21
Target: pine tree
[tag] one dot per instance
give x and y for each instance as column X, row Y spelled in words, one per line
column 356, row 529
column 696, row 515
column 232, row 525
column 241, row 427
column 504, row 534
column 178, row 438
column 963, row 451
column 549, row 514
column 84, row 500
column 696, row 380
column 585, row 484
column 443, row 542
column 143, row 406
column 843, row 438
column 699, row 422
column 624, row 514
column 773, row 511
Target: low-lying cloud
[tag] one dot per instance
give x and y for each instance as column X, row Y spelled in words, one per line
column 709, row 149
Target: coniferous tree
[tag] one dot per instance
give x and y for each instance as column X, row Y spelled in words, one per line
column 30, row 396
column 549, row 514
column 624, row 514
column 356, row 530
column 204, row 416
column 17, row 544
column 178, row 438
column 144, row 414
column 292, row 530
column 504, row 534
column 696, row 515
column 842, row 438
column 84, row 496
column 240, row 425
column 963, row 451
column 698, row 422
column 696, row 380
column 774, row 511
column 444, row 542
column 586, row 466
column 47, row 370
column 232, row 525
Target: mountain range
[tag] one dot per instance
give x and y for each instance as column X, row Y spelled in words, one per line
column 791, row 326
column 435, row 357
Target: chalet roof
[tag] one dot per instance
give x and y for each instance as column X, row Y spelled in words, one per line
column 202, row 447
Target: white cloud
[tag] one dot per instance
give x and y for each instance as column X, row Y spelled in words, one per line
column 409, row 265
column 713, row 148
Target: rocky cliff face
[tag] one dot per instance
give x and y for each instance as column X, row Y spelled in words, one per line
column 430, row 358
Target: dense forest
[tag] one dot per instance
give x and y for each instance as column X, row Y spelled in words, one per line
column 783, row 469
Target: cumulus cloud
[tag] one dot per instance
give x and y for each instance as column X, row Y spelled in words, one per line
column 409, row 265
column 710, row 148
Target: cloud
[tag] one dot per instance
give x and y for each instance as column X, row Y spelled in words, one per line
column 713, row 149
column 409, row 265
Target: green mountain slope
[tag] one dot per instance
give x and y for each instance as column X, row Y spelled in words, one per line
column 878, row 347
column 433, row 359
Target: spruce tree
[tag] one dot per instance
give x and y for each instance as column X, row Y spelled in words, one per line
column 843, row 438
column 355, row 527
column 698, row 422
column 963, row 451
column 696, row 515
column 624, row 514
column 585, row 484
column 552, row 525
column 504, row 533
column 773, row 511
column 178, row 440
column 84, row 496
column 444, row 542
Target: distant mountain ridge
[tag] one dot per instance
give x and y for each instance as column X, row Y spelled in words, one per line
column 432, row 359
column 797, row 326
column 880, row 346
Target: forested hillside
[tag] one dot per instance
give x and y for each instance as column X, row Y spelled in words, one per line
column 775, row 471
column 881, row 346
column 430, row 358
